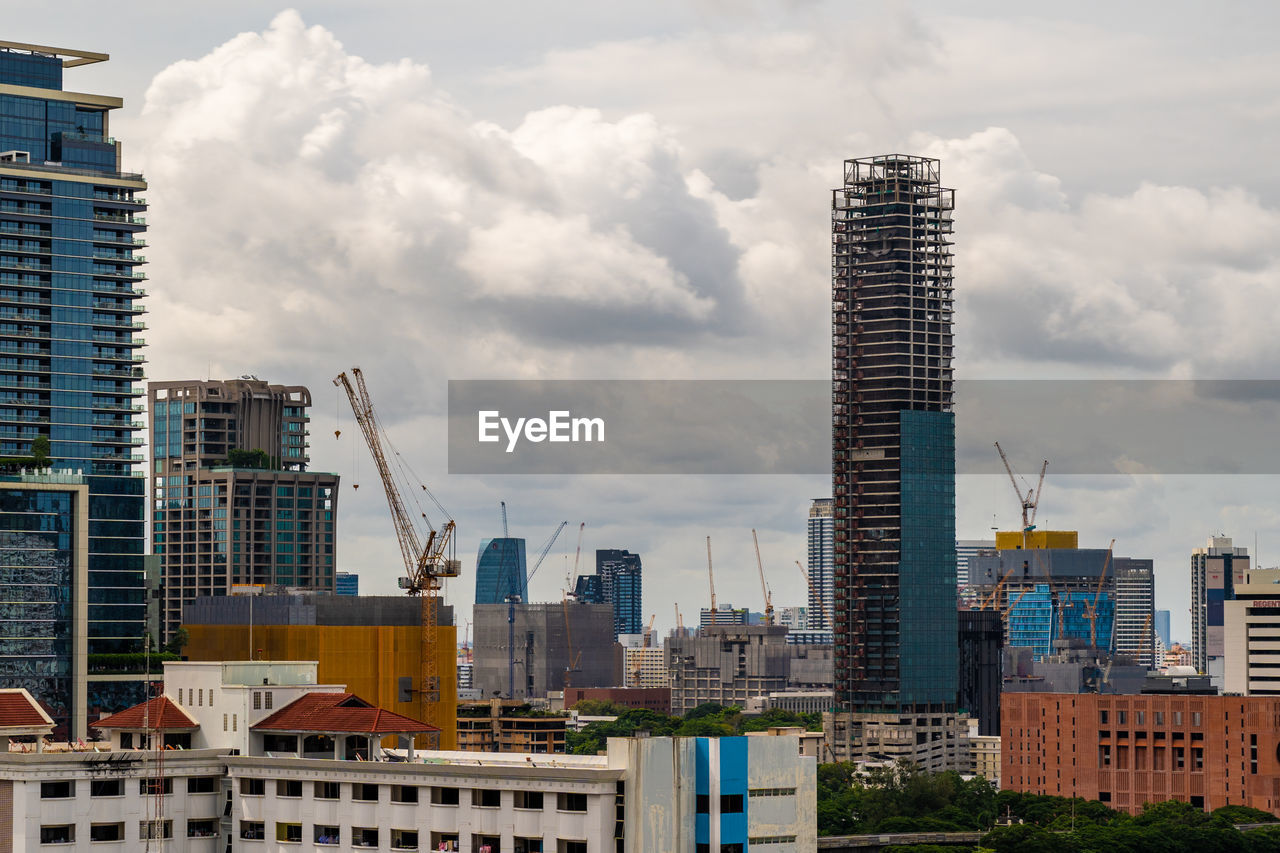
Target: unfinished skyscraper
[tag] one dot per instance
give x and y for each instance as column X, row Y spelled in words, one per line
column 893, row 450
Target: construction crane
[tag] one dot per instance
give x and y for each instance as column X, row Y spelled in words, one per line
column 427, row 563
column 648, row 632
column 764, row 588
column 1091, row 610
column 506, row 534
column 711, row 578
column 569, row 584
column 1009, row 607
column 990, row 599
column 1030, row 502
column 679, row 620
column 512, row 600
column 574, row 659
column 822, row 604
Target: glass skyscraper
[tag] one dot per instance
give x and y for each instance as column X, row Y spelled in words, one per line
column 893, row 437
column 500, row 571
column 621, row 584
column 821, row 564
column 70, row 358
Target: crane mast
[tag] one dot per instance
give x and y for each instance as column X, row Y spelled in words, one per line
column 764, row 588
column 426, row 564
column 711, row 578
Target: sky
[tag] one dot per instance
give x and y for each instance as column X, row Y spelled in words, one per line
column 448, row 190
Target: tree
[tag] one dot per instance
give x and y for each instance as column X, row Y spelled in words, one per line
column 257, row 459
column 599, row 708
column 177, row 642
column 40, row 452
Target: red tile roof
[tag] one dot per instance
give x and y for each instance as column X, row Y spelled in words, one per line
column 19, row 710
column 339, row 712
column 158, row 713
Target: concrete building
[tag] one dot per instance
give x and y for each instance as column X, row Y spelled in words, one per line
column 234, row 502
column 1216, row 569
column 792, row 618
column 1071, row 670
column 726, row 614
column 501, row 573
column 812, row 667
column 500, row 725
column 1251, row 636
column 979, row 677
column 1208, row 750
column 1135, row 631
column 727, row 664
column 311, row 772
column 822, row 564
column 984, row 754
column 935, row 742
column 966, row 548
column 795, row 701
column 893, row 437
column 643, row 666
column 554, row 645
column 653, row 698
column 72, row 359
column 373, row 644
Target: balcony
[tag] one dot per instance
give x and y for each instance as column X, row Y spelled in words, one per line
column 102, row 271
column 123, row 219
column 123, row 307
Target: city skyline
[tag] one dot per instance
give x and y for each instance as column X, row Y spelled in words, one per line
column 750, row 210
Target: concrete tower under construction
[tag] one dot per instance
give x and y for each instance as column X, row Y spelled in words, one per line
column 893, row 437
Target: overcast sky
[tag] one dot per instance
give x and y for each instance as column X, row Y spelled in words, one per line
column 450, row 190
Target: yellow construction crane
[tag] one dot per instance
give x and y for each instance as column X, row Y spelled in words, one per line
column 1091, row 610
column 648, row 632
column 990, row 599
column 1030, row 502
column 427, row 563
column 711, row 578
column 826, row 619
column 764, row 588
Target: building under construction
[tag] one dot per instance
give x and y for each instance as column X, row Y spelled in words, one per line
column 727, row 664
column 372, row 644
column 544, row 648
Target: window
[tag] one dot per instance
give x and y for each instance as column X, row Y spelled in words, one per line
column 328, row 791
column 731, row 848
column 486, row 798
column 1195, row 718
column 703, row 804
column 527, row 845
column 571, row 802
column 563, row 846
column 257, row 700
column 224, row 722
column 327, row 834
column 155, row 829
column 528, row 800
column 266, row 701
column 771, row 792
column 444, row 796
column 63, row 789
column 404, row 839
column 61, row 833
column 280, row 743
column 253, row 787
column 253, row 830
column 106, row 832
column 202, row 784
column 207, row 828
column 364, row 836
column 404, row 794
column 289, row 832
column 771, row 839
column 151, row 787
column 106, row 787
column 1122, row 717
column 289, row 788
column 1102, row 717
column 731, row 804
column 126, row 740
column 364, row 792
column 233, row 722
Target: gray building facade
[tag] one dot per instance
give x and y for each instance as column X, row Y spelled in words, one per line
column 728, row 665
column 555, row 646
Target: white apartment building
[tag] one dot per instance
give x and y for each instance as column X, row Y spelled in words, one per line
column 1251, row 626
column 279, row 779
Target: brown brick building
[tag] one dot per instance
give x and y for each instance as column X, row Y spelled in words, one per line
column 1208, row 750
column 653, row 698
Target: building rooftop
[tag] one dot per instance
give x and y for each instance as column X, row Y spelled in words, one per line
column 160, row 713
column 70, row 58
column 331, row 713
column 18, row 710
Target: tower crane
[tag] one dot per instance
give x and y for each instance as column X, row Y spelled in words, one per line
column 427, row 563
column 576, row 555
column 1030, row 502
column 711, row 578
column 512, row 599
column 1091, row 610
column 648, row 632
column 764, row 588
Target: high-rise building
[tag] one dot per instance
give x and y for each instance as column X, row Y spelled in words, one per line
column 980, row 679
column 621, row 577
column 1135, row 630
column 234, row 501
column 1215, row 571
column 500, row 571
column 893, row 450
column 1162, row 627
column 725, row 614
column 70, row 360
column 966, row 548
column 1251, row 627
column 822, row 575
column 346, row 583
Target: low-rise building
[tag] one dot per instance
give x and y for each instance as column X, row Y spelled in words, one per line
column 933, row 742
column 652, row 698
column 984, row 752
column 727, row 664
column 315, row 772
column 504, row 726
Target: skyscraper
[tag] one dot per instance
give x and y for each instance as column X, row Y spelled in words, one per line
column 1135, row 630
column 621, row 578
column 500, row 571
column 822, row 582
column 1216, row 570
column 893, row 452
column 234, row 501
column 69, row 358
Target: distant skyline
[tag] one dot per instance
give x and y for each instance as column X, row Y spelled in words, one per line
column 441, row 190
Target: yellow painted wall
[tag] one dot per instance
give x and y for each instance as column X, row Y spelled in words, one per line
column 1011, row 540
column 369, row 660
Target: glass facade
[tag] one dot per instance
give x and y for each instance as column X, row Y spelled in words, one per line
column 37, row 538
column 621, row 584
column 821, row 564
column 70, row 357
column 500, row 571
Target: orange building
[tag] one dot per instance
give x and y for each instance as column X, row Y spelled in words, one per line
column 1124, row 751
column 371, row 644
